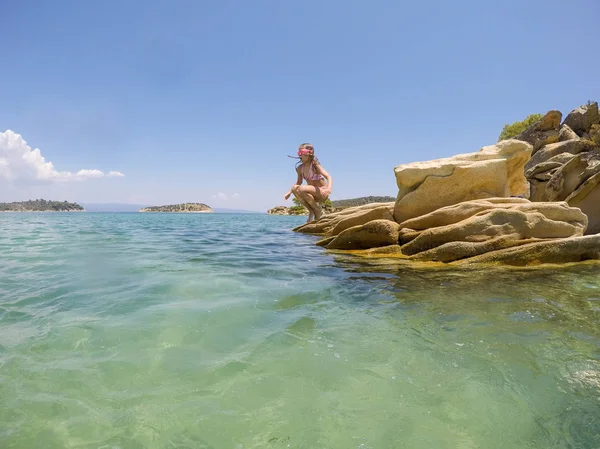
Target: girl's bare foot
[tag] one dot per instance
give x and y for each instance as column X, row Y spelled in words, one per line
column 311, row 217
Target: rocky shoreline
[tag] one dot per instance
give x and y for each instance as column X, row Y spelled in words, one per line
column 189, row 208
column 525, row 201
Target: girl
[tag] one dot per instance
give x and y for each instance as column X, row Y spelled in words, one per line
column 317, row 190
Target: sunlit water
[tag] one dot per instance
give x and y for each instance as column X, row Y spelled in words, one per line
column 230, row 331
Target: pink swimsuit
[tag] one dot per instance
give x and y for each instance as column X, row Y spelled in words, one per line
column 312, row 176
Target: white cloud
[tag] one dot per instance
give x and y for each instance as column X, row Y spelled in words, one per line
column 220, row 196
column 235, row 195
column 18, row 162
column 114, row 174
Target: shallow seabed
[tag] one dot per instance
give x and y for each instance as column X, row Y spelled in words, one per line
column 229, row 331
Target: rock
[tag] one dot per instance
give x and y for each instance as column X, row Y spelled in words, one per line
column 582, row 118
column 566, row 133
column 454, row 214
column 475, row 227
column 542, row 132
column 494, row 171
column 574, row 249
column 587, row 198
column 511, row 231
column 594, row 134
column 570, row 146
column 337, row 222
column 373, row 234
column 571, row 175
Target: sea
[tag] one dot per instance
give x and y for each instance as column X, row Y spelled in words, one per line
column 231, row 331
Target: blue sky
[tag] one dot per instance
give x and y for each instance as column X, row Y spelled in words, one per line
column 203, row 100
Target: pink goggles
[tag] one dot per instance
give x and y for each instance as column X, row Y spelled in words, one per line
column 304, row 151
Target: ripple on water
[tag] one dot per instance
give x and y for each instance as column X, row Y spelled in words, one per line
column 211, row 331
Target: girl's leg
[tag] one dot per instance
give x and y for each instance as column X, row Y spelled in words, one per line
column 308, row 194
column 300, row 197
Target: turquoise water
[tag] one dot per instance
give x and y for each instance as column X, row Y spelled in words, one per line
column 229, row 331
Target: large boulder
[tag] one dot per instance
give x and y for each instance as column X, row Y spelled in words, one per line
column 582, row 118
column 373, row 234
column 574, row 146
column 544, row 131
column 587, row 198
column 337, row 222
column 476, row 227
column 571, row 176
column 479, row 230
column 559, row 251
column 566, row 133
column 494, row 171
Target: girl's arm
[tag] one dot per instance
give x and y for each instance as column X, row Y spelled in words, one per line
column 327, row 176
column 298, row 182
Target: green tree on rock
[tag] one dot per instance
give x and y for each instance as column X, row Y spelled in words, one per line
column 517, row 128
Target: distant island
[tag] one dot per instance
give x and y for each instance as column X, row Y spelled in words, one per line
column 41, row 205
column 183, row 208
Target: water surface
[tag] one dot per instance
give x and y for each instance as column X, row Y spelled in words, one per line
column 229, row 331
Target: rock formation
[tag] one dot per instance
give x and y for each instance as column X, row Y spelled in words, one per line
column 569, row 170
column 471, row 231
column 493, row 171
column 524, row 201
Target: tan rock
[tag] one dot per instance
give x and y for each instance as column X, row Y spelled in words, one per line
column 571, row 175
column 475, row 227
column 452, row 251
column 494, row 171
column 495, row 223
column 373, row 234
column 337, row 222
column 542, row 132
column 549, row 166
column 570, row 146
column 587, row 198
column 594, row 134
column 459, row 212
column 566, row 133
column 574, row 249
column 582, row 118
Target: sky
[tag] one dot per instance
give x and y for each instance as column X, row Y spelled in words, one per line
column 163, row 102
